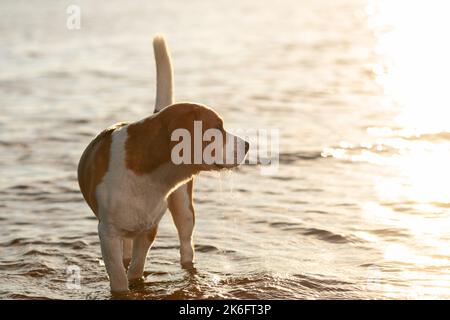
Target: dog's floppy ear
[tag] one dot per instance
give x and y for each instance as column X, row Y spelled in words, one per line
column 180, row 131
column 147, row 146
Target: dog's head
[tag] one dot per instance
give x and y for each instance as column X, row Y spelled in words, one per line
column 198, row 138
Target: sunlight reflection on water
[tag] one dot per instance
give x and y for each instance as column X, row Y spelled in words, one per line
column 414, row 72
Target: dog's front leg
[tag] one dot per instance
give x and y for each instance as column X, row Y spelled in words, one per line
column 141, row 244
column 181, row 207
column 111, row 245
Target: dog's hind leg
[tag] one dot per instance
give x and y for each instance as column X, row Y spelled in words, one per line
column 141, row 244
column 127, row 245
column 182, row 209
column 111, row 245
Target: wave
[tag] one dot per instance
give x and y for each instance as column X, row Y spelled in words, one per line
column 259, row 285
column 321, row 234
column 435, row 136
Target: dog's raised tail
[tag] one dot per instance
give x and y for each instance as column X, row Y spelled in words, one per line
column 164, row 74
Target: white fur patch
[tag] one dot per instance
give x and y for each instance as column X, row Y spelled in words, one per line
column 127, row 202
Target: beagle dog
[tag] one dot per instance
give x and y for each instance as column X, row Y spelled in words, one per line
column 128, row 177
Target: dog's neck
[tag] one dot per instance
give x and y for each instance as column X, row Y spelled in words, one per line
column 170, row 176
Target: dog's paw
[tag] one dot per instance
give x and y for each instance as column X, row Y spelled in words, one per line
column 187, row 265
column 136, row 283
column 121, row 295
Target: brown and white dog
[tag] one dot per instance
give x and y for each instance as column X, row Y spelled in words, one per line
column 128, row 178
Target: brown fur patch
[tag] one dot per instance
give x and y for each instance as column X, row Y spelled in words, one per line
column 147, row 146
column 93, row 165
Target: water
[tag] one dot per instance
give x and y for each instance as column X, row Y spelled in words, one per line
column 360, row 205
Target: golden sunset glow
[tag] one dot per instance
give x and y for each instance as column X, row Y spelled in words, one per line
column 414, row 60
column 413, row 71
